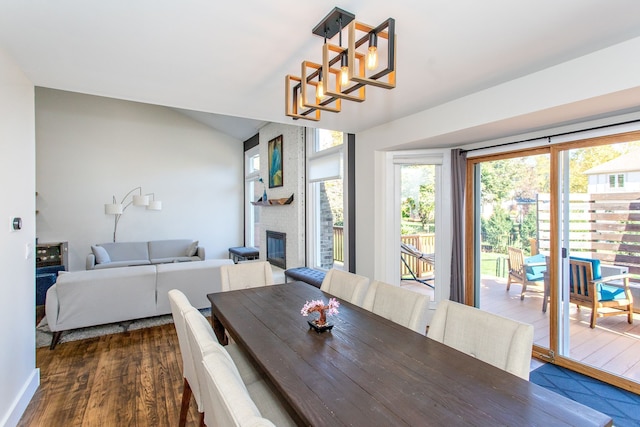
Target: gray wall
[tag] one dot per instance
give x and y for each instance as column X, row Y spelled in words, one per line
column 90, row 148
column 18, row 372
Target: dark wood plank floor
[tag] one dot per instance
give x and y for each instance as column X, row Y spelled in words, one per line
column 127, row 379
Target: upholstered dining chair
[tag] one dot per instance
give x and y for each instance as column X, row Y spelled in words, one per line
column 402, row 306
column 181, row 309
column 228, row 403
column 499, row 341
column 246, row 275
column 344, row 285
column 524, row 270
column 180, row 305
column 203, row 343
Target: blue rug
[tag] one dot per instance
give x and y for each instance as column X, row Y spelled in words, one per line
column 621, row 405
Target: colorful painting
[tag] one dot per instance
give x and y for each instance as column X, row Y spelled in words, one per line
column 275, row 162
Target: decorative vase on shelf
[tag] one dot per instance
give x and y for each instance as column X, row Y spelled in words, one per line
column 264, row 194
column 324, row 310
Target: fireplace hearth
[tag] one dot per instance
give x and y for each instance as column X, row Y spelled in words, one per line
column 277, row 249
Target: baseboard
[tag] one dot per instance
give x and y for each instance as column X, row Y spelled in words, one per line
column 22, row 400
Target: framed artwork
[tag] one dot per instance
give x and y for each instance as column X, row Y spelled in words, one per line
column 275, row 162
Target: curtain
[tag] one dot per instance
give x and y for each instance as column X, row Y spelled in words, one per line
column 458, row 173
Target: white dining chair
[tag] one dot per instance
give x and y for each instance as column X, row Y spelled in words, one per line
column 345, row 285
column 203, row 343
column 499, row 341
column 402, row 306
column 228, row 401
column 246, row 275
column 179, row 307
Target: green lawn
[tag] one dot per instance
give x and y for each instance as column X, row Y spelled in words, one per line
column 488, row 264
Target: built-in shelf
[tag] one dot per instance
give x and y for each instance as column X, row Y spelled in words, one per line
column 274, row 202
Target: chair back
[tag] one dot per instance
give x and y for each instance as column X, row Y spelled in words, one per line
column 499, row 341
column 516, row 262
column 346, row 286
column 245, row 275
column 580, row 277
column 180, row 306
column 229, row 402
column 202, row 342
column 402, row 306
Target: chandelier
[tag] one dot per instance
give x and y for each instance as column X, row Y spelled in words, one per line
column 367, row 59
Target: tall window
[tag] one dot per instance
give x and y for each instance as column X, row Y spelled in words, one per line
column 326, row 200
column 253, row 191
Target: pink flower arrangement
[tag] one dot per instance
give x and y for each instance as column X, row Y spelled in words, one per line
column 324, row 310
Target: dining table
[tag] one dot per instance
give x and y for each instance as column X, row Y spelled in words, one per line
column 370, row 371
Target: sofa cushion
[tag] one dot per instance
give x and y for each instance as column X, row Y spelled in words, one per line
column 193, row 248
column 127, row 263
column 101, row 254
column 125, row 251
column 174, row 259
column 163, row 249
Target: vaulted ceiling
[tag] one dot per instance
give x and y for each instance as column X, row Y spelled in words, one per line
column 228, row 59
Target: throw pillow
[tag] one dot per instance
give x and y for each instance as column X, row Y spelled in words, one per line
column 192, row 249
column 101, row 254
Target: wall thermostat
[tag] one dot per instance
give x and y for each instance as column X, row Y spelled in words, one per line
column 16, row 223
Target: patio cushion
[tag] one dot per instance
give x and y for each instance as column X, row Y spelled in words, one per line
column 597, row 274
column 610, row 293
column 535, row 273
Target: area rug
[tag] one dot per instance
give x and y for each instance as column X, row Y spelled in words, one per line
column 621, row 405
column 44, row 334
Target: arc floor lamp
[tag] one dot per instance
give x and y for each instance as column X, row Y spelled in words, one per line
column 148, row 200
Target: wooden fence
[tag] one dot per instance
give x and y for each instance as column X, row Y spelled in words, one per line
column 601, row 226
column 423, row 242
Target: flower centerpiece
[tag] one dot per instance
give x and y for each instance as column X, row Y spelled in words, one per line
column 324, row 310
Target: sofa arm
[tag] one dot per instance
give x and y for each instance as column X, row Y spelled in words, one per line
column 52, row 307
column 200, row 252
column 90, row 263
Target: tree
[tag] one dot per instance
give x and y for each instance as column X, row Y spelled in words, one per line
column 427, row 205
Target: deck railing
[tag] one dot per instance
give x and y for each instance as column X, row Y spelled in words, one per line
column 338, row 243
column 425, row 243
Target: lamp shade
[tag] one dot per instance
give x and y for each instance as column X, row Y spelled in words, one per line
column 113, row 208
column 139, row 200
column 155, row 205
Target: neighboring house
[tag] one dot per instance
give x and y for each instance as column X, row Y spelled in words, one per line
column 621, row 174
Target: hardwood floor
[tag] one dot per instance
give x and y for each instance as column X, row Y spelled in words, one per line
column 127, row 379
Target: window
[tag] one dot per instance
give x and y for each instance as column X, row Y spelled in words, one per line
column 620, row 181
column 253, row 191
column 326, row 200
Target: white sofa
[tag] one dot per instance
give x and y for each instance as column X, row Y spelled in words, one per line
column 125, row 254
column 94, row 297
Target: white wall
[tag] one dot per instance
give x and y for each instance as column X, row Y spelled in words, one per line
column 287, row 219
column 571, row 92
column 92, row 148
column 18, row 373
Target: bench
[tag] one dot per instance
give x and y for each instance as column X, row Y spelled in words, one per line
column 242, row 253
column 305, row 274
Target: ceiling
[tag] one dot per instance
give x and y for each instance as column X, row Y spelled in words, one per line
column 224, row 62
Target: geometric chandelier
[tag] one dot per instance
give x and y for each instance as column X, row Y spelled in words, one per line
column 368, row 58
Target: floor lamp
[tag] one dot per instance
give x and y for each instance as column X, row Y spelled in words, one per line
column 117, row 209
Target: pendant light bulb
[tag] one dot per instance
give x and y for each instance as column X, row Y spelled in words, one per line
column 344, row 71
column 300, row 101
column 372, row 54
column 320, row 88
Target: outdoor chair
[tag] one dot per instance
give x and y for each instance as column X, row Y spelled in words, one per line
column 524, row 270
column 499, row 341
column 587, row 288
column 407, row 249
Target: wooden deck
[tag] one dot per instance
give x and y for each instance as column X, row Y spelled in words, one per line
column 614, row 345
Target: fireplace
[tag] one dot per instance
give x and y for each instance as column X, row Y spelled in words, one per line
column 277, row 249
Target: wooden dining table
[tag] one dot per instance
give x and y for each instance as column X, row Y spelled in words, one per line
column 369, row 371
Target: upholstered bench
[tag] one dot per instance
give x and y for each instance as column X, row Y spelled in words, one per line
column 242, row 253
column 305, row 274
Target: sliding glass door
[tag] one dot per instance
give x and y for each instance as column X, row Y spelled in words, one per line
column 561, row 220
